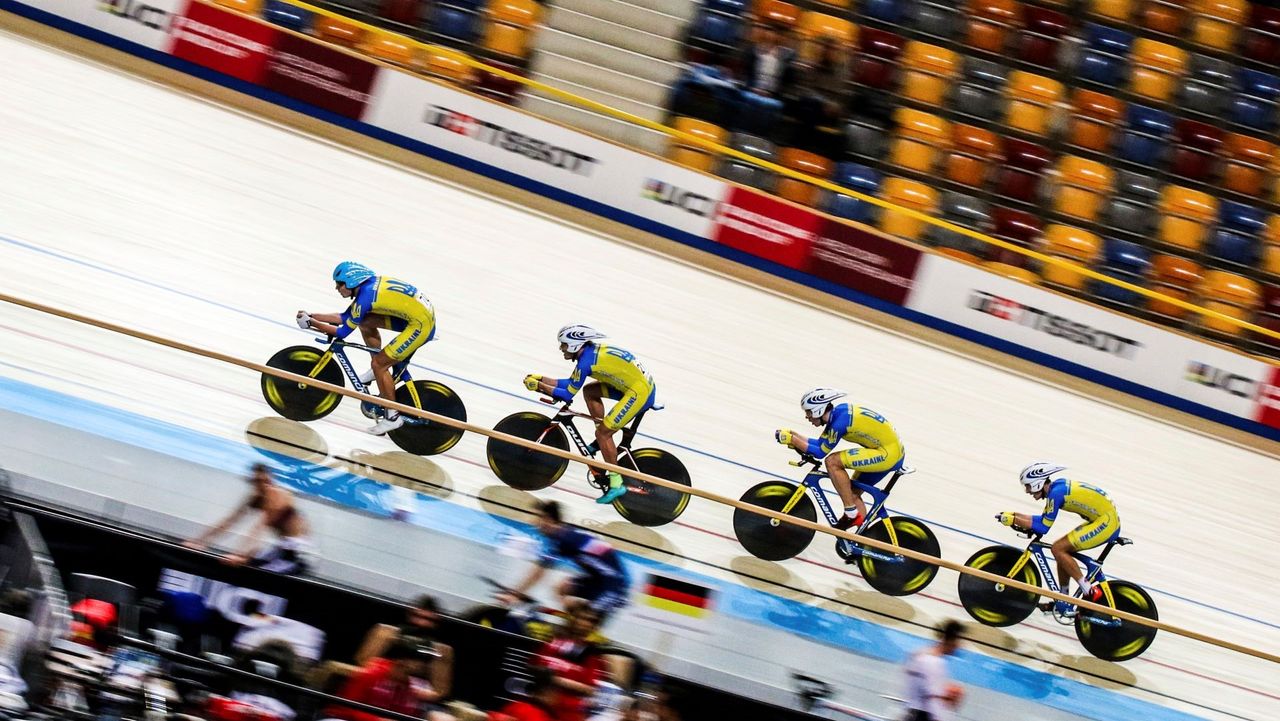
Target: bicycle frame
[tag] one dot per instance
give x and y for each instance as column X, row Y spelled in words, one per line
column 1042, row 554
column 399, row 372
column 565, row 417
column 813, row 482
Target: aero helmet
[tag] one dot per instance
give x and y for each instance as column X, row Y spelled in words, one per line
column 575, row 336
column 1034, row 476
column 815, row 402
column 351, row 274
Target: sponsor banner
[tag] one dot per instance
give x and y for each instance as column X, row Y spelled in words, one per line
column 320, row 75
column 859, row 258
column 224, row 41
column 671, row 603
column 1267, row 410
column 1124, row 347
column 767, row 227
column 679, row 198
column 145, row 22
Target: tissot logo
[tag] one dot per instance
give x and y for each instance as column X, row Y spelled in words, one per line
column 689, row 202
column 508, row 140
column 1207, row 375
column 139, row 12
column 1054, row 325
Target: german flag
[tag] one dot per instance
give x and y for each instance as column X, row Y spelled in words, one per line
column 676, row 596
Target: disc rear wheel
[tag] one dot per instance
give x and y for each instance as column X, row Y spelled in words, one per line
column 1114, row 639
column 427, row 438
column 893, row 574
column 646, row 504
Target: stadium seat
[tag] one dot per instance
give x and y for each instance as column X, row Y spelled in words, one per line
column 1157, row 69
column 1271, row 246
column 1167, row 17
column 892, row 12
column 1185, row 215
column 779, row 13
column 288, row 16
column 405, row 12
column 1126, row 261
column 498, row 88
column 1082, row 187
column 1145, row 137
column 715, row 31
column 862, row 179
column 1197, row 147
column 509, row 41
column 520, row 13
column 1262, row 36
column 937, row 18
column 1207, row 85
column 1173, row 276
column 1031, row 101
column 1094, row 120
column 1132, row 207
column 732, row 8
column 389, row 47
column 748, row 174
column 1215, row 23
column 754, row 145
column 927, row 72
column 864, row 138
column 966, row 211
column 1041, row 38
column 971, row 154
column 990, row 22
column 1104, row 58
column 815, row 25
column 1268, row 316
column 445, row 65
column 877, row 59
column 919, row 140
column 1022, row 167
column 978, row 93
column 802, row 161
column 908, row 194
column 1013, row 272
column 1118, row 11
column 1254, row 104
column 453, row 23
column 248, row 7
column 1015, row 226
column 1230, row 294
column 338, row 31
column 689, row 154
column 1078, row 246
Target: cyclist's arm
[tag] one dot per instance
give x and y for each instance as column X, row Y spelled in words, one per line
column 1052, row 504
column 566, row 388
column 221, row 527
column 535, row 574
column 822, row 445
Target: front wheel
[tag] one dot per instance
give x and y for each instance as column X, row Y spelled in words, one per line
column 522, row 468
column 893, row 574
column 996, row 604
column 422, row 437
column 645, row 504
column 768, row 538
column 299, row 401
column 1114, row 639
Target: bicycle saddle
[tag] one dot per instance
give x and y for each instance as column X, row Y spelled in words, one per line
column 1122, row 541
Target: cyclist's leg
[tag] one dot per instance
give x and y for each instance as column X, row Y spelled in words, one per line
column 1082, row 538
column 861, row 461
column 414, row 334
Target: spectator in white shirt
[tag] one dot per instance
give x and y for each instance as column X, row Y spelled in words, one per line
column 929, row 695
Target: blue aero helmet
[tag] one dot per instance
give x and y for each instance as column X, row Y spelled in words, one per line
column 351, row 274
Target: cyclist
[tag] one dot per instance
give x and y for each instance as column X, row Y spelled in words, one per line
column 378, row 302
column 878, row 453
column 1102, row 523
column 618, row 377
column 603, row 583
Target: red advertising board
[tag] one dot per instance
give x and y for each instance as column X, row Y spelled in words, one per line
column 857, row 258
column 224, row 41
column 1268, row 409
column 320, row 75
column 766, row 227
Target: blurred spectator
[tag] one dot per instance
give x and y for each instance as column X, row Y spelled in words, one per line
column 929, row 696
column 576, row 666
column 768, row 68
column 259, row 627
column 419, row 627
column 542, row 696
column 822, row 94
column 16, row 633
column 274, row 504
column 396, row 681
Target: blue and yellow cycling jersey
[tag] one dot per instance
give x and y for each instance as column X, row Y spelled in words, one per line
column 856, row 425
column 1082, row 499
column 389, row 297
column 613, row 367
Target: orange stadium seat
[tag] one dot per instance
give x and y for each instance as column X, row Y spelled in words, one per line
column 1185, row 215
column 919, row 139
column 1116, row 10
column 1214, row 23
column 927, row 72
column 1168, row 17
column 973, row 150
column 446, row 65
column 507, row 40
column 908, row 194
column 1248, row 164
column 338, row 31
column 814, row 25
column 1271, row 249
column 1012, row 271
column 248, row 7
column 1094, row 122
column 958, row 254
column 990, row 22
column 1232, row 295
column 389, row 47
column 798, row 191
column 779, row 13
column 841, row 4
column 1083, row 186
column 1031, row 101
column 1173, row 276
column 1157, row 69
column 690, row 155
column 1078, row 246
column 521, row 13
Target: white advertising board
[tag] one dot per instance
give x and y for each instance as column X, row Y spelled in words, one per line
column 145, row 22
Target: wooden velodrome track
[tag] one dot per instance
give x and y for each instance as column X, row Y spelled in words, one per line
column 156, row 202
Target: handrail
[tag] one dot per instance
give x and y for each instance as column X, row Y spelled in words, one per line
column 717, row 148
column 591, row 462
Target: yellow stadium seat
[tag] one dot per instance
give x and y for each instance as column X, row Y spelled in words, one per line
column 920, row 138
column 1173, row 276
column 927, row 72
column 841, row 4
column 1083, row 186
column 690, row 155
column 958, row 254
column 816, row 25
column 338, row 31
column 798, row 191
column 691, row 158
column 1119, row 10
column 908, row 194
column 1185, row 215
column 1080, row 247
column 1157, row 69
column 389, row 47
column 1012, row 271
column 248, row 7
column 446, row 65
column 508, row 40
column 521, row 13
column 1214, row 23
column 1031, row 101
column 1230, row 294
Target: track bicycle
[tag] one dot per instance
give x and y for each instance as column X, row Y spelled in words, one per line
column 1106, row 637
column 644, row 503
column 301, row 402
column 889, row 573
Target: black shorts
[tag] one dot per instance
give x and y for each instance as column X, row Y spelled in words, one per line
column 604, row 595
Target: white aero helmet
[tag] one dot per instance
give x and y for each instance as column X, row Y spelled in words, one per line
column 1037, row 474
column 575, row 336
column 815, row 402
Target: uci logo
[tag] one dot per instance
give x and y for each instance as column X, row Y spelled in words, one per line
column 688, row 201
column 1207, row 375
column 141, row 13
